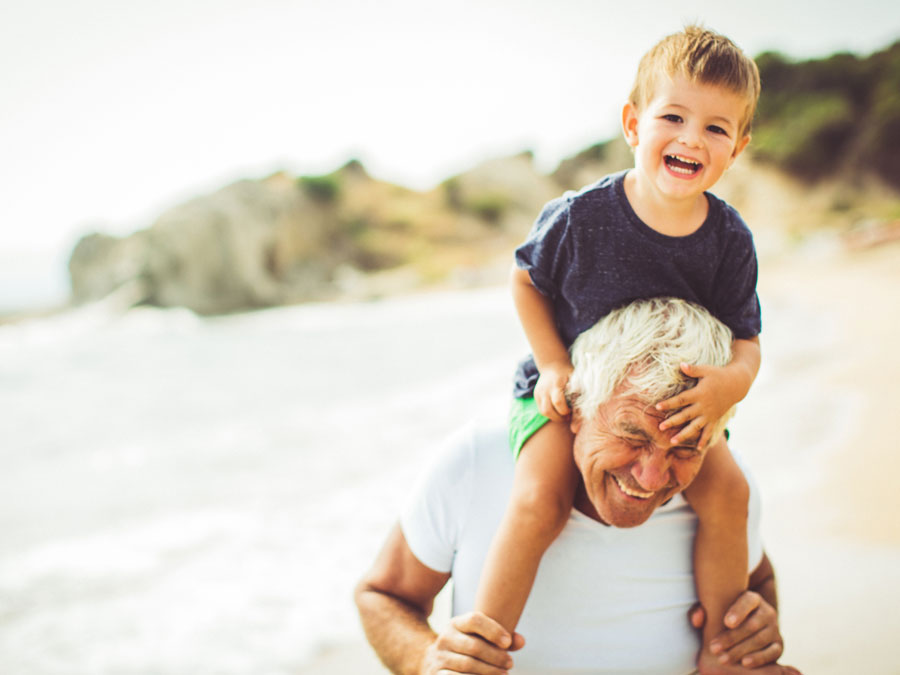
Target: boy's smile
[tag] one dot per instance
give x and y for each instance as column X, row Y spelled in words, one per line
column 684, row 139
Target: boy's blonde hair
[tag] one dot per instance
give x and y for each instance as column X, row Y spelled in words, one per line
column 703, row 56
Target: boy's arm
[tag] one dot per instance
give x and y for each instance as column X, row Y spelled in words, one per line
column 753, row 632
column 718, row 389
column 550, row 354
column 394, row 600
column 536, row 315
column 745, row 358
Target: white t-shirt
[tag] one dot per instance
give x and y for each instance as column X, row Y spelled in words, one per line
column 605, row 600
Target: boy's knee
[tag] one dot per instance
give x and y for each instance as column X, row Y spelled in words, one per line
column 541, row 511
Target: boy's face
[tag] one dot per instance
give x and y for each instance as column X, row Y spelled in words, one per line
column 685, row 137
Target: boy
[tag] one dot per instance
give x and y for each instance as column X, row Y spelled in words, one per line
column 650, row 231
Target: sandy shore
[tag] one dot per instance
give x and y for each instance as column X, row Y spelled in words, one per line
column 834, row 535
column 837, row 542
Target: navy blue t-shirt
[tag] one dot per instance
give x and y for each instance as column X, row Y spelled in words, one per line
column 589, row 253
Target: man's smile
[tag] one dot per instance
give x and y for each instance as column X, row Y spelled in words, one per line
column 630, row 491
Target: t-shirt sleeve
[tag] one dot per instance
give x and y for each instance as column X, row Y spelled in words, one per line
column 546, row 250
column 437, row 505
column 738, row 304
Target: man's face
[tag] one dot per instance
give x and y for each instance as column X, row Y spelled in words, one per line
column 629, row 466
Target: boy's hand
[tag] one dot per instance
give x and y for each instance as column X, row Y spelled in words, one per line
column 701, row 406
column 550, row 391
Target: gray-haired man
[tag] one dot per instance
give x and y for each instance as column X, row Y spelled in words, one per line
column 606, row 599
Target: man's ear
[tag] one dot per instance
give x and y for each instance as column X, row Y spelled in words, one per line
column 630, row 124
column 575, row 420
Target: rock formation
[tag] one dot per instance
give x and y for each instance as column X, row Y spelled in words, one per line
column 279, row 240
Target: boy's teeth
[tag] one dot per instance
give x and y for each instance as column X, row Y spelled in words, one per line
column 684, row 165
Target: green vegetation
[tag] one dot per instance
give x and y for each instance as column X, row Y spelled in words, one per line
column 834, row 116
column 325, row 189
column 486, row 204
column 489, row 206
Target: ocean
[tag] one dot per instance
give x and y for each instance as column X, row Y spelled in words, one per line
column 183, row 494
column 200, row 495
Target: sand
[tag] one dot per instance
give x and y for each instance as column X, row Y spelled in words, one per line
column 837, row 547
column 833, row 533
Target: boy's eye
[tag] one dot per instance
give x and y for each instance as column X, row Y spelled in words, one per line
column 717, row 130
column 672, row 117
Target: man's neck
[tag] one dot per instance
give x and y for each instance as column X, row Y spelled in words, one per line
column 583, row 504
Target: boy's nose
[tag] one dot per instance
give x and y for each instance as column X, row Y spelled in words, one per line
column 690, row 136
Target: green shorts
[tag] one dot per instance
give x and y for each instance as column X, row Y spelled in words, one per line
column 524, row 420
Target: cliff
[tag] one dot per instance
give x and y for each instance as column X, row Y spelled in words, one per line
column 284, row 239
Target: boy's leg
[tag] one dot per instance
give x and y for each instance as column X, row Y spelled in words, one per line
column 719, row 496
column 542, row 494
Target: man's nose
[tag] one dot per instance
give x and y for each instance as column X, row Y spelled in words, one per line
column 651, row 471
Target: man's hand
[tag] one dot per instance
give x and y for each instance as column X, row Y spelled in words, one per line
column 550, row 390
column 474, row 644
column 752, row 639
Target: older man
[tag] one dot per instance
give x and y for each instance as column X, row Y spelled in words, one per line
column 609, row 597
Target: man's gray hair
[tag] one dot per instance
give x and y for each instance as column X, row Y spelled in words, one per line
column 643, row 345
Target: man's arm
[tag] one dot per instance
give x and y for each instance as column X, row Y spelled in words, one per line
column 394, row 600
column 762, row 580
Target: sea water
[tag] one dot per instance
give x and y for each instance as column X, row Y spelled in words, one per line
column 199, row 495
column 180, row 494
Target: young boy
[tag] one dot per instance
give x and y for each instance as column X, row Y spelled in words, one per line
column 650, row 231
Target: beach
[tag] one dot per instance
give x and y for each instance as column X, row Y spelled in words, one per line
column 183, row 494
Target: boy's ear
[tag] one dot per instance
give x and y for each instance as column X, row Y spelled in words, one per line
column 739, row 148
column 629, row 124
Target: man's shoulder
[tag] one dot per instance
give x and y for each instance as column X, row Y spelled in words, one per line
column 476, row 449
column 468, row 470
column 480, row 445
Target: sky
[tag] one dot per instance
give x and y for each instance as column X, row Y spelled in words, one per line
column 111, row 112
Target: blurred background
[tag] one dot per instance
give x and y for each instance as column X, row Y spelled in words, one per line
column 252, row 259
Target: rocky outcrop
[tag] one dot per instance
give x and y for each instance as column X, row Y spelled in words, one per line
column 505, row 191
column 251, row 244
column 279, row 240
